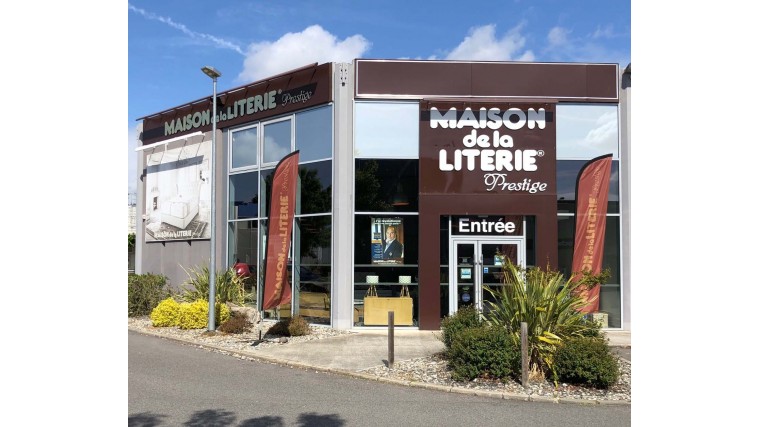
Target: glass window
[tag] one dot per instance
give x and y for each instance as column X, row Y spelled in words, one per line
column 567, row 176
column 315, row 188
column 243, row 240
column 314, row 134
column 313, row 240
column 389, row 275
column 611, row 257
column 609, row 302
column 244, row 195
column 387, row 129
column 586, row 131
column 265, row 178
column 243, row 148
column 609, row 293
column 387, row 185
column 277, row 141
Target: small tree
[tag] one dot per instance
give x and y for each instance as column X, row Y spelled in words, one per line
column 545, row 300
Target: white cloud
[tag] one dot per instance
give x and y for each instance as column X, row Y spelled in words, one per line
column 563, row 46
column 482, row 44
column 294, row 50
column 606, row 32
column 218, row 41
column 558, row 36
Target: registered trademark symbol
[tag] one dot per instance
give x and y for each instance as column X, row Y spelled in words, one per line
column 540, row 153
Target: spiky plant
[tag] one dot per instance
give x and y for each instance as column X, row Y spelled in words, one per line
column 545, row 300
column 228, row 286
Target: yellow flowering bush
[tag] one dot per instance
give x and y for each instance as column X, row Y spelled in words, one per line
column 166, row 313
column 194, row 315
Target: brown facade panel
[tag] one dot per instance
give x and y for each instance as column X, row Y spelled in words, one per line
column 601, row 82
column 582, row 82
column 529, row 80
column 432, row 207
column 416, row 78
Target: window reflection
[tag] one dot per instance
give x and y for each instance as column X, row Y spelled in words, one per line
column 314, row 238
column 315, row 183
column 315, row 188
column 243, row 249
column 244, row 195
column 243, row 147
column 314, row 134
column 276, row 141
column 387, row 129
column 586, row 131
column 387, row 185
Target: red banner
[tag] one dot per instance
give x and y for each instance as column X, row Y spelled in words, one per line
column 591, row 194
column 283, row 202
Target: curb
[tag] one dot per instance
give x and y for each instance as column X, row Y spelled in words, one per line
column 358, row 375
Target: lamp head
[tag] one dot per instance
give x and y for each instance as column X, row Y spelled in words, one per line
column 211, row 72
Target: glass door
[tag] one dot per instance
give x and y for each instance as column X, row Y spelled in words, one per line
column 462, row 292
column 476, row 264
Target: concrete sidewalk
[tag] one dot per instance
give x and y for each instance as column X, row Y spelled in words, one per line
column 359, row 351
column 369, row 348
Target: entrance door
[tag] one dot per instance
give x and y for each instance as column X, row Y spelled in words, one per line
column 474, row 264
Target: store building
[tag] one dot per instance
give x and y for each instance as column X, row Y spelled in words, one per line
column 455, row 161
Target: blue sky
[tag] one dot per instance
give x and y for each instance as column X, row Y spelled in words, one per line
column 169, row 41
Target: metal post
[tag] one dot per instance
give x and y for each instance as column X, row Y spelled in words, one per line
column 390, row 339
column 524, row 351
column 213, row 73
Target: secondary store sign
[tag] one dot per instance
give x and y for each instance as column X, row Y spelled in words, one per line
column 508, row 148
column 302, row 88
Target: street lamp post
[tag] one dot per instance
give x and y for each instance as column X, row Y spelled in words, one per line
column 214, row 74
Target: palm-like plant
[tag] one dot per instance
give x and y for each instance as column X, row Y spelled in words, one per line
column 547, row 302
column 228, row 286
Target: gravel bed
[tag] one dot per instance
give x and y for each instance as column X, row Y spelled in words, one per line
column 239, row 342
column 433, row 370
column 428, row 370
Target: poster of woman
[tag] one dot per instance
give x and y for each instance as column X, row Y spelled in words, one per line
column 387, row 240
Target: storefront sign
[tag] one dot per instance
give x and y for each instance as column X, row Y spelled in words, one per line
column 240, row 109
column 300, row 89
column 488, row 148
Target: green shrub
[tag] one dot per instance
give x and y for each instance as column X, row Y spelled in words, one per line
column 298, row 326
column 586, row 361
column 236, row 324
column 591, row 329
column 295, row 326
column 144, row 292
column 547, row 302
column 484, row 351
column 279, row 329
column 465, row 318
column 166, row 313
column 228, row 286
column 194, row 315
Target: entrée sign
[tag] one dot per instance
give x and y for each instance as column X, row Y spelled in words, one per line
column 485, row 226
